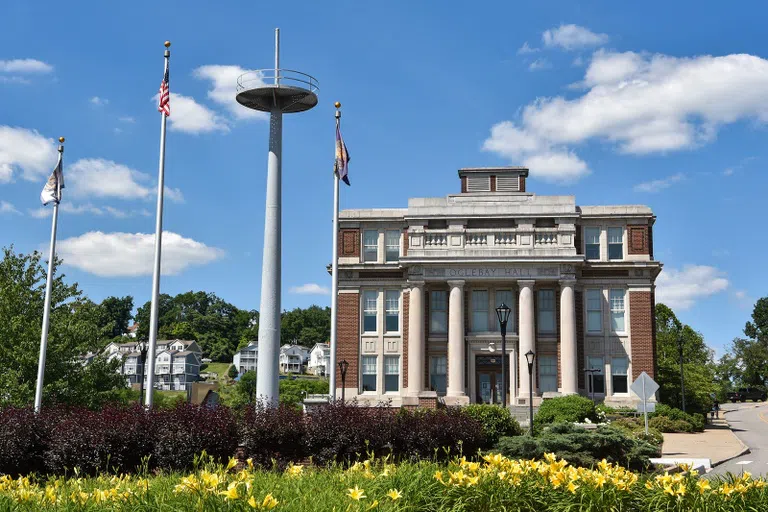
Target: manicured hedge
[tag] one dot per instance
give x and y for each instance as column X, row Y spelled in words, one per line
column 126, row 439
column 571, row 408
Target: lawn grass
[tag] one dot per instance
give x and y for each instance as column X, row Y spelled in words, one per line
column 218, row 368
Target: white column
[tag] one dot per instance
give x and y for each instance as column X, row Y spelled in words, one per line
column 416, row 340
column 526, row 337
column 456, row 340
column 568, row 353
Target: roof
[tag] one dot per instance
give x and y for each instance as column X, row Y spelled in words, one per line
column 183, row 353
column 500, row 170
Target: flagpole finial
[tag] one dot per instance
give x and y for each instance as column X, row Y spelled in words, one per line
column 337, row 105
column 167, row 44
column 61, row 139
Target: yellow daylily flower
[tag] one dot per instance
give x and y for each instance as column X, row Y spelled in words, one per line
column 294, row 471
column 394, row 494
column 231, row 492
column 232, row 463
column 703, row 486
column 269, row 502
column 373, row 505
column 252, row 502
column 356, row 494
column 572, row 487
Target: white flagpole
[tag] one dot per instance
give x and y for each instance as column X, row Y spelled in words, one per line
column 334, row 275
column 150, row 361
column 48, row 285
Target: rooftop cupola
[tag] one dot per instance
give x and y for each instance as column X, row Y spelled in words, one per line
column 492, row 179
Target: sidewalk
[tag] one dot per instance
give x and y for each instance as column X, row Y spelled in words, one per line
column 716, row 443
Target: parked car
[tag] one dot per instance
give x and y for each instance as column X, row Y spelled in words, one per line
column 744, row 394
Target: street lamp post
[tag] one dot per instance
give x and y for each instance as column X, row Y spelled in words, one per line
column 503, row 313
column 343, row 365
column 530, row 357
column 682, row 378
column 142, row 348
column 591, row 372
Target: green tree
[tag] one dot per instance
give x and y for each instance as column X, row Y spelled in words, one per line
column 698, row 363
column 293, row 391
column 116, row 313
column 232, row 372
column 75, row 329
column 306, row 326
column 749, row 363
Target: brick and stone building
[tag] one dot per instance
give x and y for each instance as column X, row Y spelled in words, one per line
column 418, row 289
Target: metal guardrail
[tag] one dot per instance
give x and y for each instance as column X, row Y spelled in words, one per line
column 275, row 78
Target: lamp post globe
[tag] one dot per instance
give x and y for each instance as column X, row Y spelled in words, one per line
column 502, row 312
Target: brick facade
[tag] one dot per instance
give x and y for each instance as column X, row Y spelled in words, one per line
column 463, row 184
column 638, row 240
column 348, row 337
column 349, row 243
column 522, row 183
column 405, row 241
column 493, row 183
column 642, row 326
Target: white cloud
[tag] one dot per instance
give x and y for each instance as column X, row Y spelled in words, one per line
column 80, row 209
column 99, row 102
column 641, row 104
column 173, row 194
column 571, row 37
column 680, row 289
column 96, row 177
column 578, row 62
column 659, row 185
column 131, row 254
column 191, row 117
column 127, row 119
column 24, row 66
column 310, row 289
column 6, row 207
column 224, row 89
column 539, row 64
column 25, row 151
column 526, row 49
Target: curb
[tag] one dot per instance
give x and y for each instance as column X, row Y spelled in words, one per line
column 744, row 448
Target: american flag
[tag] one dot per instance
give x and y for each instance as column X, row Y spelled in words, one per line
column 165, row 96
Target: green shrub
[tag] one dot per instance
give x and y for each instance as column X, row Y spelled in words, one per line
column 666, row 424
column 582, row 447
column 496, row 421
column 572, row 408
column 695, row 421
column 635, row 427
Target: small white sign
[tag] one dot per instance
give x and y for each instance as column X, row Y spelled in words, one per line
column 646, row 407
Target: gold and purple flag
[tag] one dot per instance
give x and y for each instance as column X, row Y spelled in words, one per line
column 342, row 157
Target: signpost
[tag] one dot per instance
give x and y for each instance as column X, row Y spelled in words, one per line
column 645, row 387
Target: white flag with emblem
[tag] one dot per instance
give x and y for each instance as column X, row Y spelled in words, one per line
column 52, row 190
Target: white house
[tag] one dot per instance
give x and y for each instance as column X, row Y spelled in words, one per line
column 319, row 359
column 293, row 358
column 246, row 358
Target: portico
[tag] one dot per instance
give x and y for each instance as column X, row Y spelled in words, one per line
column 473, row 351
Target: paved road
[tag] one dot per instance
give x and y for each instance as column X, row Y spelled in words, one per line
column 749, row 421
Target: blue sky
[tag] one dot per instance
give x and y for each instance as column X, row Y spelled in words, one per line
column 661, row 104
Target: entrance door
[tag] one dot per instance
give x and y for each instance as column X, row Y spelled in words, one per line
column 489, row 383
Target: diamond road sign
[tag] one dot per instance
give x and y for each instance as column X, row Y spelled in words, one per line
column 644, row 386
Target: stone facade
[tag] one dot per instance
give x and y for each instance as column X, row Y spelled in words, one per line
column 419, row 287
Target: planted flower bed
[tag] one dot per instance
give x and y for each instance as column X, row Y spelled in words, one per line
column 491, row 483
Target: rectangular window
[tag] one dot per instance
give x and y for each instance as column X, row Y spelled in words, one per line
column 370, row 299
column 594, row 310
column 592, row 243
column 369, row 373
column 438, row 366
column 546, row 311
column 619, row 368
column 596, row 378
column 615, row 243
column 438, row 312
column 393, row 310
column 617, row 309
column 479, row 310
column 392, row 239
column 370, row 245
column 548, row 373
column 508, row 298
column 391, row 374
